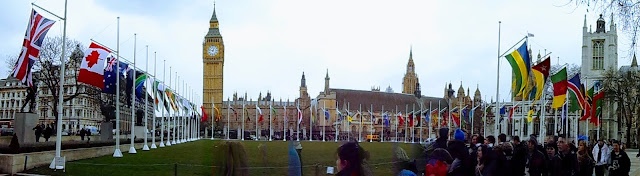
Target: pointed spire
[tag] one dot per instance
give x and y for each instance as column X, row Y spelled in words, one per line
column 327, row 76
column 411, row 53
column 585, row 21
column 634, row 62
column 213, row 17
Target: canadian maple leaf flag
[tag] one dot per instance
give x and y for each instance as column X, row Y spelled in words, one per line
column 92, row 67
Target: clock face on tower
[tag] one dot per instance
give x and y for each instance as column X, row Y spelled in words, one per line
column 212, row 50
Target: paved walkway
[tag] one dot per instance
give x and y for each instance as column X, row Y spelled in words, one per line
column 635, row 162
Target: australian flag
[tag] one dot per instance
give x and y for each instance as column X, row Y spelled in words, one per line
column 110, row 75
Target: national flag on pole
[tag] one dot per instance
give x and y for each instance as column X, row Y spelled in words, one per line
column 216, row 113
column 503, row 111
column 530, row 116
column 92, row 66
column 576, row 98
column 511, row 111
column 140, row 84
column 109, row 77
column 37, row 29
column 596, row 109
column 204, row 114
column 540, row 73
column 559, row 88
column 456, row 117
column 299, row 115
column 273, row 111
column 259, row 112
column 234, row 112
column 434, row 117
column 520, row 64
column 327, row 115
column 400, row 120
column 386, row 119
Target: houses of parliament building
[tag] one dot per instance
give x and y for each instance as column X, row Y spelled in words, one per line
column 232, row 113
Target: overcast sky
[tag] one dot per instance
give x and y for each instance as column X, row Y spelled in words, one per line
column 268, row 44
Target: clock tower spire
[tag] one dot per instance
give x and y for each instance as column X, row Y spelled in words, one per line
column 213, row 63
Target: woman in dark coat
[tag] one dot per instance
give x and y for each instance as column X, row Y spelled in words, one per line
column 585, row 162
column 486, row 161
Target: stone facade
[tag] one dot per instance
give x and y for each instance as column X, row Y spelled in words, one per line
column 213, row 64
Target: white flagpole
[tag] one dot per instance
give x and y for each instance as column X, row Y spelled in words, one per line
column 146, row 147
column 242, row 134
column 270, row 128
column 257, row 132
column 298, row 126
column 132, row 149
column 175, row 116
column 349, row 123
column 412, row 125
column 163, row 102
column 153, row 136
column 406, row 108
column 360, row 129
column 371, row 125
column 324, row 115
column 497, row 82
column 284, row 122
column 228, row 125
column 337, row 117
column 169, row 112
column 429, row 122
column 421, row 122
column 396, row 114
column 213, row 115
column 54, row 164
column 116, row 153
column 311, row 122
column 382, row 125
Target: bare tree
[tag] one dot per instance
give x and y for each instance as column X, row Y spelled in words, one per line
column 46, row 71
column 626, row 12
column 621, row 87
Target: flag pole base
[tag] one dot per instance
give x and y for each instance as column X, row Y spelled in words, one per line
column 117, row 153
column 153, row 146
column 168, row 144
column 132, row 150
column 173, row 142
column 145, row 148
column 161, row 145
column 53, row 164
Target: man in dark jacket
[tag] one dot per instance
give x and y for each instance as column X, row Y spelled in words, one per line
column 443, row 137
column 519, row 156
column 569, row 160
column 38, row 130
column 620, row 162
column 535, row 159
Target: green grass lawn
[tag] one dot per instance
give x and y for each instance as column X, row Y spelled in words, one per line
column 197, row 158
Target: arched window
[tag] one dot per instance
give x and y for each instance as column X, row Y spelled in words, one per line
column 598, row 55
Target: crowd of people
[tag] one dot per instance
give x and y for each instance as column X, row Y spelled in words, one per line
column 487, row 157
column 475, row 155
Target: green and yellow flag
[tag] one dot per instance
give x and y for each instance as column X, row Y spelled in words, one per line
column 521, row 65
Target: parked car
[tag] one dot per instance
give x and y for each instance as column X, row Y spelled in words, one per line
column 6, row 131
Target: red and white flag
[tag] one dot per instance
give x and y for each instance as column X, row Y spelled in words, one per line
column 92, row 66
column 36, row 31
column 260, row 112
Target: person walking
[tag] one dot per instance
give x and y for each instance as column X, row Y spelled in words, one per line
column 47, row 133
column 585, row 162
column 601, row 155
column 82, row 132
column 620, row 162
column 38, row 131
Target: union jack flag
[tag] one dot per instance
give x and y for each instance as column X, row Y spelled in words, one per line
column 36, row 31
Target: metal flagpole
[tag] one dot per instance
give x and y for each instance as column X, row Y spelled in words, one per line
column 117, row 152
column 168, row 110
column 213, row 115
column 61, row 160
column 439, row 119
column 257, row 133
column 542, row 118
column 146, row 147
column 228, row 125
column 371, row 125
column 311, row 122
column 270, row 128
column 132, row 149
column 420, row 120
column 412, row 125
column 175, row 116
column 163, row 108
column 360, row 129
column 324, row 110
column 298, row 119
column 337, row 117
column 349, row 123
column 382, row 125
column 396, row 139
column 498, row 80
column 284, row 122
column 242, row 134
column 406, row 108
column 429, row 122
column 153, row 136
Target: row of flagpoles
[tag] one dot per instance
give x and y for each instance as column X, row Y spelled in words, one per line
column 182, row 115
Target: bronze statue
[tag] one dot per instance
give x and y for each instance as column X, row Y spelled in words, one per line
column 31, row 98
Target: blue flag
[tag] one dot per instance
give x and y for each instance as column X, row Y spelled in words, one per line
column 386, row 120
column 502, row 112
column 326, row 115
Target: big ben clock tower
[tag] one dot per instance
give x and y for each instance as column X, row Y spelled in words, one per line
column 213, row 63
